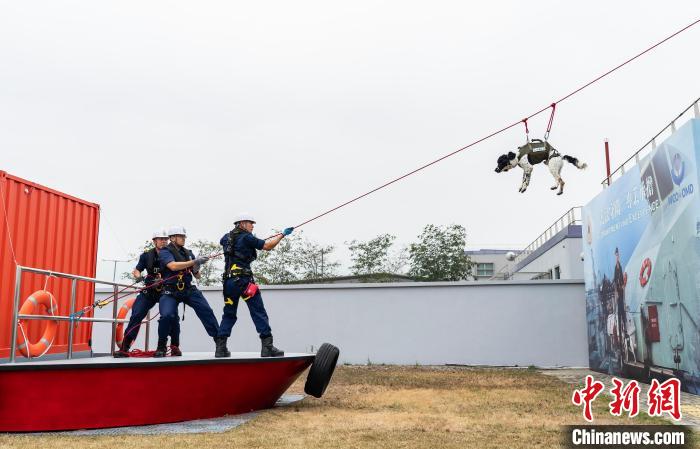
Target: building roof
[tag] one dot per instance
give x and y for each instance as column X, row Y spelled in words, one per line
column 570, row 231
column 482, row 252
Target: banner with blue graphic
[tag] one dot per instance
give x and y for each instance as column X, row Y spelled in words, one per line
column 642, row 266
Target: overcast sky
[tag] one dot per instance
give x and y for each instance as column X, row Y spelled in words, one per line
column 186, row 113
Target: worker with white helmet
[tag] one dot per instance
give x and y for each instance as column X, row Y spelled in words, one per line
column 240, row 250
column 179, row 265
column 147, row 298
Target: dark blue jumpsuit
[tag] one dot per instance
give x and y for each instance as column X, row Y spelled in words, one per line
column 180, row 289
column 146, row 300
column 239, row 275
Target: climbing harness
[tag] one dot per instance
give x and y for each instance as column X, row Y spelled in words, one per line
column 180, row 282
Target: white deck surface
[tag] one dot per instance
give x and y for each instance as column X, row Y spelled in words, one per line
column 186, row 357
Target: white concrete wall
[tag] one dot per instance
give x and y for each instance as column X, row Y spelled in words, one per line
column 522, row 323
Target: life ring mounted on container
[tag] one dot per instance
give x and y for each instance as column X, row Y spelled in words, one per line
column 29, row 307
column 123, row 311
column 645, row 272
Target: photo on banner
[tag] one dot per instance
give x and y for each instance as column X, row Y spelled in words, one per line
column 641, row 250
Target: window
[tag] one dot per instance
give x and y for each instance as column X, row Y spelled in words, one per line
column 557, row 273
column 484, row 269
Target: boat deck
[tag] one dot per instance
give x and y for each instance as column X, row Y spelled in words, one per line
column 187, row 358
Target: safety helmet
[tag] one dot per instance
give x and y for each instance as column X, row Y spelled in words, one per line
column 160, row 234
column 244, row 216
column 177, row 230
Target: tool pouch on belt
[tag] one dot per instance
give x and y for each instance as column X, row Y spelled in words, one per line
column 250, row 291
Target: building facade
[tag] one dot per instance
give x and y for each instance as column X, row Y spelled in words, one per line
column 489, row 263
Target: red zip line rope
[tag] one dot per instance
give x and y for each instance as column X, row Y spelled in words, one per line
column 505, row 128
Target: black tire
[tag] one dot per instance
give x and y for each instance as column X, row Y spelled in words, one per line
column 321, row 370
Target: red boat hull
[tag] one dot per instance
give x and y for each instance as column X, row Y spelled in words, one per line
column 68, row 395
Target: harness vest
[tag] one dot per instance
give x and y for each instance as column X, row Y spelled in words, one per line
column 537, row 151
column 233, row 259
column 152, row 263
column 152, row 269
column 181, row 255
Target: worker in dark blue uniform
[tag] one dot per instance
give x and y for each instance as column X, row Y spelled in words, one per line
column 178, row 265
column 240, row 249
column 148, row 297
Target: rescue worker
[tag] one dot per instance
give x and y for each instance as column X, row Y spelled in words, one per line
column 148, row 297
column 240, row 249
column 178, row 265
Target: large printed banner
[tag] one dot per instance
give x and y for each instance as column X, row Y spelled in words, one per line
column 642, row 266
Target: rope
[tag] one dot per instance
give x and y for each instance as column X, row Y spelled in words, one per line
column 24, row 336
column 140, row 353
column 48, row 277
column 52, row 314
column 551, row 119
column 527, row 131
column 7, row 225
column 505, row 128
column 137, row 326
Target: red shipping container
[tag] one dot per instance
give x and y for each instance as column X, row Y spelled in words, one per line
column 46, row 229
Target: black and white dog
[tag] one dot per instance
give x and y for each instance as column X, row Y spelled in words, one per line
column 533, row 153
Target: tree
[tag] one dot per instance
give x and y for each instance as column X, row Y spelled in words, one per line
column 397, row 261
column 147, row 246
column 312, row 260
column 372, row 256
column 295, row 258
column 277, row 266
column 210, row 272
column 439, row 254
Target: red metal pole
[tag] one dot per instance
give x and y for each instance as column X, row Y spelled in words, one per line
column 607, row 160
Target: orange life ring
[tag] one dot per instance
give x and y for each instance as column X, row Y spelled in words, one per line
column 38, row 298
column 645, row 272
column 123, row 310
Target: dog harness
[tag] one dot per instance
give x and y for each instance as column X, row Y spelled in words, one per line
column 537, row 151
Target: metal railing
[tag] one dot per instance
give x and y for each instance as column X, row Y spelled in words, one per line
column 651, row 144
column 571, row 217
column 16, row 316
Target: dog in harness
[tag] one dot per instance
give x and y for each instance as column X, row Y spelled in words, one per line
column 533, row 153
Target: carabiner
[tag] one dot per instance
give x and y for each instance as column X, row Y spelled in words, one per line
column 180, row 283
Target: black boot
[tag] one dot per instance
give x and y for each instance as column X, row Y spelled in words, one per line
column 124, row 349
column 268, row 350
column 161, row 350
column 175, row 346
column 221, row 349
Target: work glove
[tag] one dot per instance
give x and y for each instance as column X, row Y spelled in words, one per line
column 288, row 231
column 199, row 261
column 138, row 279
